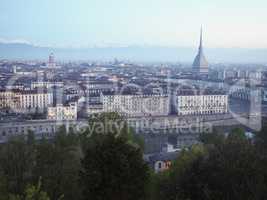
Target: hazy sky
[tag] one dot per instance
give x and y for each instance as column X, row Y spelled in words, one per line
column 226, row 23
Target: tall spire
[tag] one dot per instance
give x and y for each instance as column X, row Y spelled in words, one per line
column 200, row 41
column 200, row 63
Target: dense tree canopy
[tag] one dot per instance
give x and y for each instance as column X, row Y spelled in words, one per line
column 231, row 169
column 106, row 162
column 23, row 160
column 114, row 169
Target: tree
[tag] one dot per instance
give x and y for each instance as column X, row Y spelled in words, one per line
column 58, row 163
column 3, row 187
column 261, row 139
column 168, row 185
column 114, row 169
column 237, row 134
column 108, row 123
column 230, row 170
column 16, row 163
column 32, row 192
column 213, row 138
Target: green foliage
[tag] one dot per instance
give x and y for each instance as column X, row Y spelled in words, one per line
column 134, row 138
column 112, row 166
column 186, row 158
column 108, row 124
column 236, row 165
column 23, row 160
column 32, row 192
column 231, row 169
column 114, row 169
column 160, row 184
column 111, row 149
column 213, row 138
column 3, row 187
column 237, row 134
column 261, row 139
column 16, row 162
column 58, row 163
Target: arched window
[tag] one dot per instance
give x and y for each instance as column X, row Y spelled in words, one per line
column 159, row 165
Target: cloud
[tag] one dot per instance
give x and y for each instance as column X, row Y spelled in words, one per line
column 14, row 41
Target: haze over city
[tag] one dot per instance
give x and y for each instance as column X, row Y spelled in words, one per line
column 133, row 100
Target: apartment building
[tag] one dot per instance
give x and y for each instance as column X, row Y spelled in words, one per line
column 9, row 100
column 25, row 100
column 136, row 105
column 62, row 112
column 201, row 104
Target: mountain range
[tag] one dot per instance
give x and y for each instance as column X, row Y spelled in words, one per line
column 133, row 53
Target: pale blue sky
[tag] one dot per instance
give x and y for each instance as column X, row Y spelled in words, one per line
column 227, row 23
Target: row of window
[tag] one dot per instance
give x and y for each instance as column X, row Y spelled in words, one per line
column 201, row 112
column 25, row 129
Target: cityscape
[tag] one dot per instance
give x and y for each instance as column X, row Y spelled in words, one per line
column 123, row 127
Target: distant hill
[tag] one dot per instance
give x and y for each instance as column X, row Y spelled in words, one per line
column 133, row 53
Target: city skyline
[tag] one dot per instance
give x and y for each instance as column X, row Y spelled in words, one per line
column 133, row 99
column 82, row 23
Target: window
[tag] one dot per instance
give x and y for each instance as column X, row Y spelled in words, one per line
column 159, row 165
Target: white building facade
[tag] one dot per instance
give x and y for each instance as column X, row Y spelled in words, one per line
column 33, row 100
column 201, row 104
column 46, row 84
column 136, row 105
column 25, row 100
